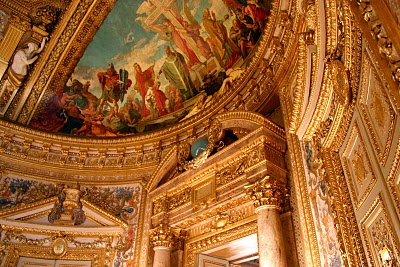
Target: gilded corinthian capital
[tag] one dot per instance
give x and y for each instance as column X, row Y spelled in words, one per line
column 266, row 192
column 162, row 236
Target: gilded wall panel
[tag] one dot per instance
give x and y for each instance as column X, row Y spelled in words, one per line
column 379, row 235
column 357, row 166
column 376, row 109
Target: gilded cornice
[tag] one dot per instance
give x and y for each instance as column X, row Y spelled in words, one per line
column 22, row 168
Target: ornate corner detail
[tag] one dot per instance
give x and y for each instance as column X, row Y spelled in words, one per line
column 267, row 192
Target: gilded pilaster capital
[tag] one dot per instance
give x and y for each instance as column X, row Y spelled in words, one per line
column 162, row 236
column 19, row 23
column 266, row 192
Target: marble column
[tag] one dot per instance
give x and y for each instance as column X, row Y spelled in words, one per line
column 268, row 196
column 162, row 238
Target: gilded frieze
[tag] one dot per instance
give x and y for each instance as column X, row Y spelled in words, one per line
column 212, row 212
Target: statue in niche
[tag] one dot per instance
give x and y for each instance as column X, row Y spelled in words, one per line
column 17, row 72
column 21, row 62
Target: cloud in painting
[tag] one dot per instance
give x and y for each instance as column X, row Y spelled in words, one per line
column 129, row 38
column 84, row 74
column 144, row 55
column 140, row 43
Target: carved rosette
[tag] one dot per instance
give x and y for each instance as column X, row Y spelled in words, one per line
column 267, row 192
column 162, row 236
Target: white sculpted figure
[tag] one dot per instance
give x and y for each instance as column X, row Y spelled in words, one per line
column 22, row 59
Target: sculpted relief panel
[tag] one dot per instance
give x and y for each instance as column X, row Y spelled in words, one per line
column 357, row 166
column 377, row 109
column 381, row 240
column 150, row 63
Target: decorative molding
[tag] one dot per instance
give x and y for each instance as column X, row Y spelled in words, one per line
column 381, row 125
column 357, row 167
column 218, row 239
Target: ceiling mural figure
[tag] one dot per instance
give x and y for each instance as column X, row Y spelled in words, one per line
column 162, row 57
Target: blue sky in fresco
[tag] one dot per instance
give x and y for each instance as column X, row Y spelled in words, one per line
column 122, row 40
column 120, row 32
column 117, row 35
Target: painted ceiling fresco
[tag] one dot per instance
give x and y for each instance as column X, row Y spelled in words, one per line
column 153, row 63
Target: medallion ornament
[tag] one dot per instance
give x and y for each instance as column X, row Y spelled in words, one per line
column 59, row 247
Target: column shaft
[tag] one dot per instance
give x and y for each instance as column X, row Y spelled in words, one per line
column 271, row 246
column 162, row 256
